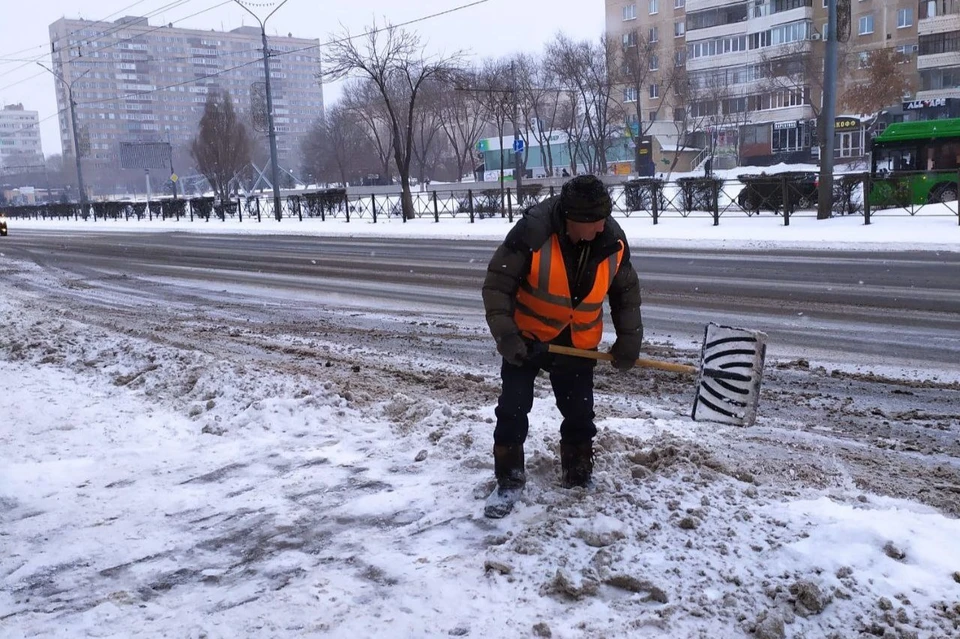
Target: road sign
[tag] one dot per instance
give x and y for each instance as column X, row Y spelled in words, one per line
column 144, row 155
column 174, row 177
column 518, row 146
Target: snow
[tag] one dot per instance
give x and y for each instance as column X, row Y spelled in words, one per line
column 934, row 227
column 150, row 489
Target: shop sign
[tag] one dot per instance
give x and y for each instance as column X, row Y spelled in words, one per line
column 924, row 104
column 846, row 124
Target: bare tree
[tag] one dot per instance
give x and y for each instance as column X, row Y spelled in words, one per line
column 686, row 120
column 461, row 116
column 222, row 147
column 539, row 99
column 427, row 138
column 393, row 59
column 493, row 90
column 362, row 98
column 585, row 68
column 570, row 121
column 640, row 69
column 337, row 149
column 882, row 82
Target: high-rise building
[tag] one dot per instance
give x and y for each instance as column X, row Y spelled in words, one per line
column 136, row 82
column 20, row 148
column 745, row 77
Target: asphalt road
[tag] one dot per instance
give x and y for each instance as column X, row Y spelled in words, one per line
column 901, row 308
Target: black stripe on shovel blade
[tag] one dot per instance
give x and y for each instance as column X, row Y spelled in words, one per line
column 736, row 365
column 731, row 340
column 730, row 353
column 733, row 377
column 721, row 397
column 723, row 411
column 731, row 387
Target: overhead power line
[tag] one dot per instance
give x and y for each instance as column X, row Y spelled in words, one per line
column 273, row 55
column 115, row 28
column 47, row 44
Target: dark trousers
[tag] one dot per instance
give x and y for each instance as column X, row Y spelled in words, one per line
column 572, row 388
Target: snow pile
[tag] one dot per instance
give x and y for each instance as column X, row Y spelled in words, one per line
column 200, row 479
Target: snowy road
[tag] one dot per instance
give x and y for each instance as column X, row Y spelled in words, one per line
column 274, row 441
column 904, row 307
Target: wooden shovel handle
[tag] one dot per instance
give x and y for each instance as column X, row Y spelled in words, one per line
column 607, row 357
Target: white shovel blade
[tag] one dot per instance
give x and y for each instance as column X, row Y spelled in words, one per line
column 731, row 367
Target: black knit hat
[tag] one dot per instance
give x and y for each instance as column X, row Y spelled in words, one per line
column 585, row 199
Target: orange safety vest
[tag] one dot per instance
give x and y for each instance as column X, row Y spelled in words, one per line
column 544, row 306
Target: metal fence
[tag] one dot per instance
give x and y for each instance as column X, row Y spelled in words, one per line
column 786, row 194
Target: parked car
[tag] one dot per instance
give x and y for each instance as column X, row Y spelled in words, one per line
column 3, row 224
column 765, row 192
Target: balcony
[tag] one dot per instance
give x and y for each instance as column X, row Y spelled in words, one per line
column 938, row 16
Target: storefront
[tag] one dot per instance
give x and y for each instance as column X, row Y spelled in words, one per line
column 931, row 109
column 849, row 140
column 787, row 141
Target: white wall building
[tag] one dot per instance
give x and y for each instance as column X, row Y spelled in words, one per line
column 150, row 83
column 19, row 138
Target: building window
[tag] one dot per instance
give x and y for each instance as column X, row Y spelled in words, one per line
column 906, row 50
column 787, row 139
column 679, row 4
column 630, row 39
column 679, row 115
column 866, row 25
column 948, row 42
column 654, row 35
column 654, row 6
column 654, row 62
column 678, row 29
column 654, row 91
column 630, row 12
column 679, row 57
column 904, row 18
column 653, row 116
column 630, row 94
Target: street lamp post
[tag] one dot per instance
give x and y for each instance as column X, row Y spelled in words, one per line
column 275, row 172
column 76, row 131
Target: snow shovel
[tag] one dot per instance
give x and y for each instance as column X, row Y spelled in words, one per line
column 728, row 379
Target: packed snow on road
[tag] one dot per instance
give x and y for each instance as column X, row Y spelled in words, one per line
column 244, row 467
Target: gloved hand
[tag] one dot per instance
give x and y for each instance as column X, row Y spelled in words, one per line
column 622, row 360
column 514, row 349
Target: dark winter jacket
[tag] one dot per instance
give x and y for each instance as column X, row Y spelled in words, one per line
column 511, row 264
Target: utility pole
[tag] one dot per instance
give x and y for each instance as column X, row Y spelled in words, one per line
column 518, row 152
column 828, row 113
column 275, row 172
column 172, row 172
column 76, row 131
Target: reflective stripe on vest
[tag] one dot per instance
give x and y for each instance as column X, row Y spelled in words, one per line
column 544, row 306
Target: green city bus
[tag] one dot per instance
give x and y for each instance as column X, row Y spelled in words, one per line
column 915, row 163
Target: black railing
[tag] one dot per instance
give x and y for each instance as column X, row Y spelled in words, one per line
column 783, row 194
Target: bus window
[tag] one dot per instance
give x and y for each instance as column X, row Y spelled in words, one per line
column 895, row 159
column 948, row 157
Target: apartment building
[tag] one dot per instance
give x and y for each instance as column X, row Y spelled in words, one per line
column 938, row 60
column 136, row 82
column 750, row 71
column 20, row 148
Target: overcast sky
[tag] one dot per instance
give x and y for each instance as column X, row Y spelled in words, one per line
column 490, row 29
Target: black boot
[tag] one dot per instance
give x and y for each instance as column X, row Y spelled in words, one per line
column 508, row 468
column 576, row 461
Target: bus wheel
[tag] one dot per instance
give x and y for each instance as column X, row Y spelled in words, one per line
column 948, row 193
